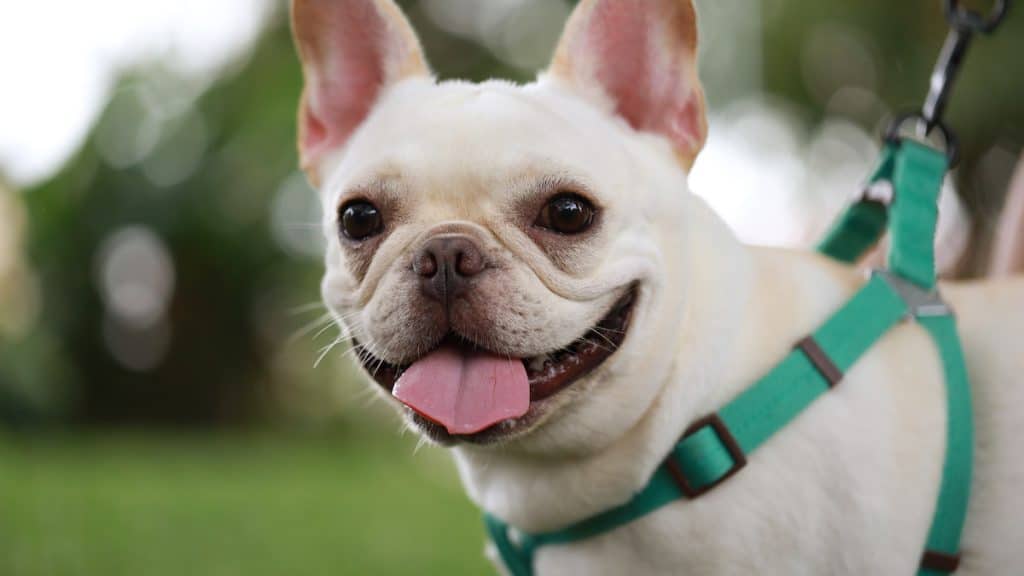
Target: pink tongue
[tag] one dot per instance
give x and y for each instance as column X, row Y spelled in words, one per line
column 465, row 392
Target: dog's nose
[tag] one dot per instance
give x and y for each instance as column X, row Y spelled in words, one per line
column 445, row 265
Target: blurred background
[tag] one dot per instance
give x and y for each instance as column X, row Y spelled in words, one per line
column 172, row 399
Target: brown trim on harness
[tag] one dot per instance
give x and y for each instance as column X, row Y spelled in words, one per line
column 940, row 562
column 822, row 363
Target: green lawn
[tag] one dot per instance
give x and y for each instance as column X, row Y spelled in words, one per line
column 232, row 505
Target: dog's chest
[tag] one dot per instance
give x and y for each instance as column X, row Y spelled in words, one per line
column 736, row 538
column 821, row 499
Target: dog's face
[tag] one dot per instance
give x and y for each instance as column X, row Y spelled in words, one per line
column 497, row 252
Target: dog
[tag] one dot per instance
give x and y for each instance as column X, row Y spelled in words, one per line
column 527, row 278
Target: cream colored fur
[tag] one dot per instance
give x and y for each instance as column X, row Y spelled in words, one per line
column 847, row 488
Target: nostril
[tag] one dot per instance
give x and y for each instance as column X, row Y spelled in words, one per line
column 469, row 262
column 425, row 264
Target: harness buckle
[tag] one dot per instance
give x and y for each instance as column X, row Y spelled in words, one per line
column 728, row 441
column 921, row 303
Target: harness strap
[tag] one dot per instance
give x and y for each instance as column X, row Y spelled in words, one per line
column 943, row 548
column 761, row 411
column 517, row 548
column 864, row 223
column 717, row 447
column 917, row 176
column 917, row 172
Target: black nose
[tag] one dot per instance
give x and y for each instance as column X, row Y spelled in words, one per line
column 446, row 264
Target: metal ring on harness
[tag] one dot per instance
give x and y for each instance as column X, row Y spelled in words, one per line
column 967, row 20
column 950, row 143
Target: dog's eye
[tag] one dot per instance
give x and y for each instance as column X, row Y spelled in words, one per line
column 567, row 214
column 360, row 220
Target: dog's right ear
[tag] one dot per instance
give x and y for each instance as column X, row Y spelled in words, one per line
column 351, row 51
column 1007, row 258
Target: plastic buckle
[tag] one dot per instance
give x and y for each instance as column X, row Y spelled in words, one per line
column 920, row 303
column 739, row 459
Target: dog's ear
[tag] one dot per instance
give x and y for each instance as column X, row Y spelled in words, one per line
column 351, row 50
column 1007, row 258
column 639, row 58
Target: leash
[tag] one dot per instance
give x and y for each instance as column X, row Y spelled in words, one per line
column 718, row 446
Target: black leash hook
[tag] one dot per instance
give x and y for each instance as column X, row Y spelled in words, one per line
column 967, row 19
column 964, row 24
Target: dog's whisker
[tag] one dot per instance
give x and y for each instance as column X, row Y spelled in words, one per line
column 349, row 316
column 604, row 330
column 379, row 364
column 306, row 308
column 323, row 322
column 421, row 441
column 611, row 343
column 357, row 353
column 352, row 354
column 365, row 397
column 326, row 350
column 326, row 328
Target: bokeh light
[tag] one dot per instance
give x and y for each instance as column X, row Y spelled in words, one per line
column 135, row 274
column 522, row 33
column 19, row 292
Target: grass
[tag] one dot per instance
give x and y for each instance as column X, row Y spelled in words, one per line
column 232, row 505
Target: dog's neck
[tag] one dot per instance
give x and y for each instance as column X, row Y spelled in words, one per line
column 538, row 494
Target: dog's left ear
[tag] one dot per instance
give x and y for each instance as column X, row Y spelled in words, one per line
column 639, row 59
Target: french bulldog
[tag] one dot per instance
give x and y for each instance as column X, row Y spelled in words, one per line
column 525, row 275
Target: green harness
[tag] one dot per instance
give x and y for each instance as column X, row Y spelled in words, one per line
column 717, row 447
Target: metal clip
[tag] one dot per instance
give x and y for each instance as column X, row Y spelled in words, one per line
column 970, row 21
column 920, row 303
column 944, row 77
column 964, row 23
column 949, row 141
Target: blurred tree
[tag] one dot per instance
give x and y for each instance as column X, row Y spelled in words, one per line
column 816, row 54
column 204, row 191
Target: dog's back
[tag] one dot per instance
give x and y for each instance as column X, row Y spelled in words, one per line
column 994, row 345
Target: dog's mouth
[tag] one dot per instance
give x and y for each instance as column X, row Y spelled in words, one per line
column 547, row 374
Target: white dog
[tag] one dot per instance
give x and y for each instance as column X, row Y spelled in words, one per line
column 527, row 277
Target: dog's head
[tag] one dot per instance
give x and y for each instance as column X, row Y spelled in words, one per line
column 506, row 258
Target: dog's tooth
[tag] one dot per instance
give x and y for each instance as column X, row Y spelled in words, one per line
column 537, row 363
